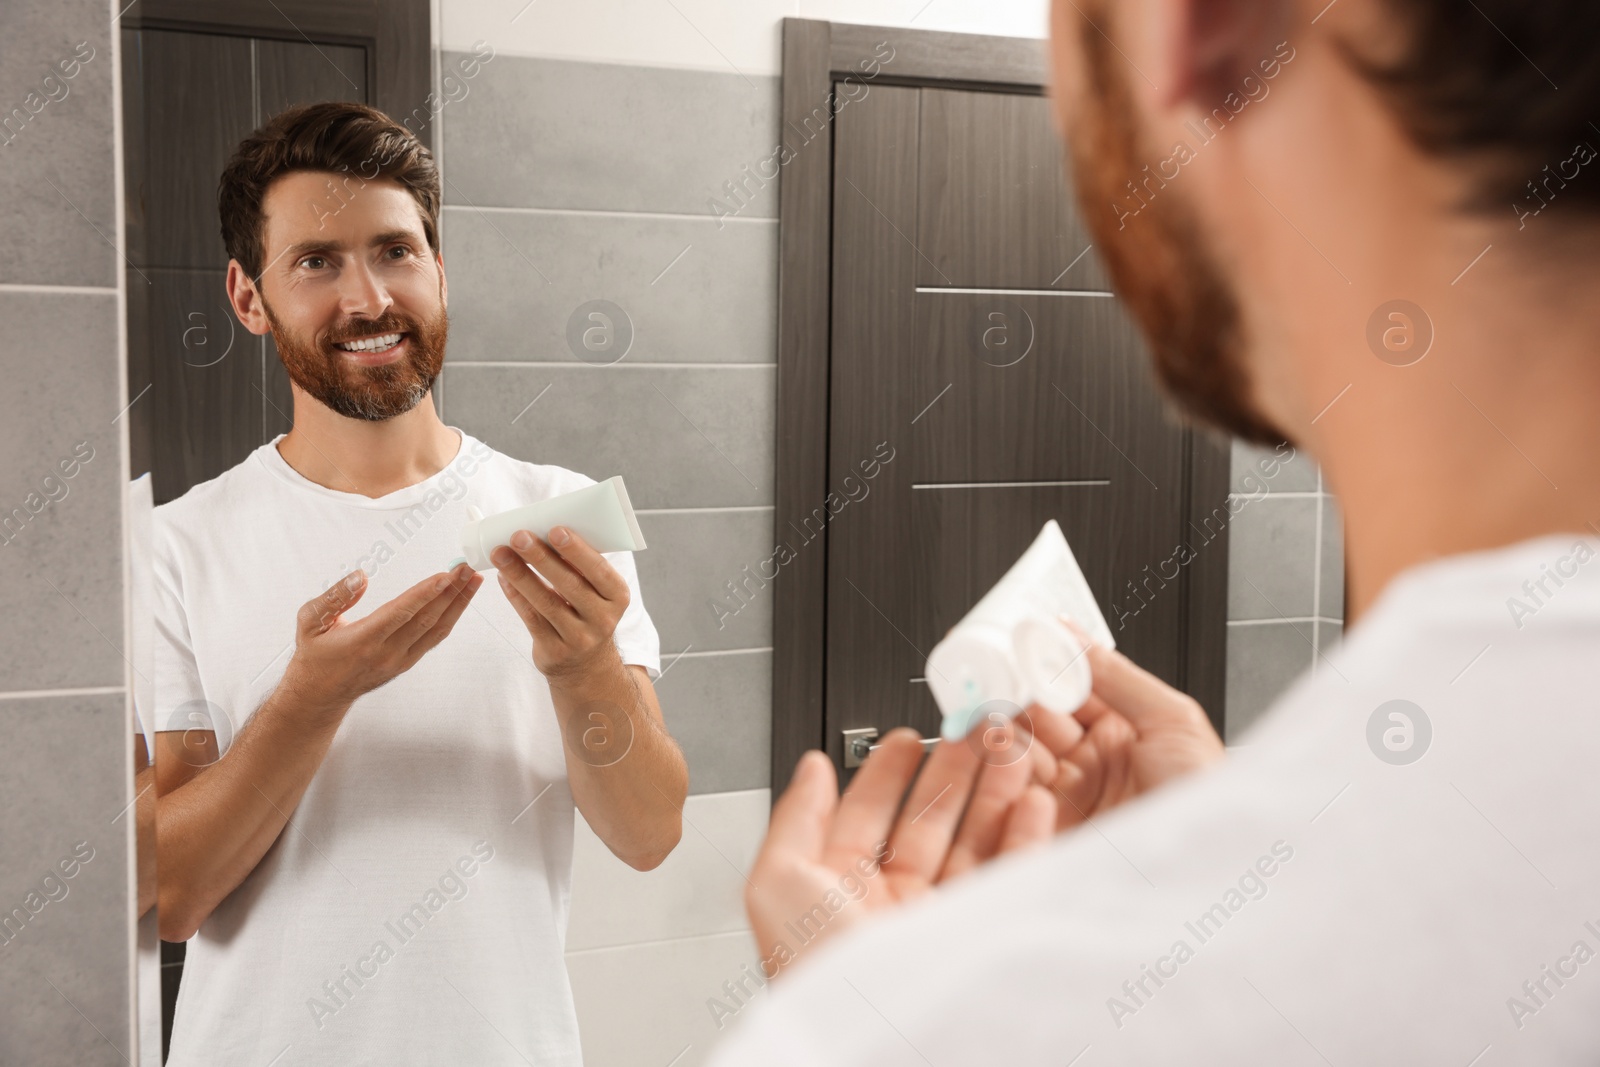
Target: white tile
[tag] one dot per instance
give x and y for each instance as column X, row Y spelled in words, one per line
column 727, row 35
column 1006, row 18
column 697, row 890
column 646, row 1004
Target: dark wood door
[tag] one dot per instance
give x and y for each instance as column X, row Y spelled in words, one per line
column 975, row 338
column 216, row 391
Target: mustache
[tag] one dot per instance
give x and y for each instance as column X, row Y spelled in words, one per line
column 388, row 322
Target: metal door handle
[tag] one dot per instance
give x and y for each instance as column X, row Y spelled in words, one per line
column 860, row 742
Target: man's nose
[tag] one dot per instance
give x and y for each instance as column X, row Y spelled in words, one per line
column 362, row 294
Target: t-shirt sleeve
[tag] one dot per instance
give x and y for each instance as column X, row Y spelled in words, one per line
column 179, row 691
column 636, row 635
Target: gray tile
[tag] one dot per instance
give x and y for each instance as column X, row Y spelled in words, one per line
column 1263, row 658
column 65, row 786
column 557, row 133
column 719, row 708
column 686, row 574
column 1332, row 562
column 683, row 438
column 690, row 291
column 57, row 162
column 60, row 537
column 1329, row 637
column 1274, row 470
column 1271, row 559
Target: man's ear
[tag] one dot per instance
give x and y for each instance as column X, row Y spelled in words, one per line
column 246, row 300
column 444, row 286
column 1203, row 49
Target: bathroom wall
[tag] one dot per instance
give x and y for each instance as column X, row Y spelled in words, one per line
column 1285, row 578
column 584, row 162
column 66, row 941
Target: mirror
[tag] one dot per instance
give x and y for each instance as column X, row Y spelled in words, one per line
column 528, row 820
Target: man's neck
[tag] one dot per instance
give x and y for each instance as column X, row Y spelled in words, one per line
column 1488, row 440
column 372, row 459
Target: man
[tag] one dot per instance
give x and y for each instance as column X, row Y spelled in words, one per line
column 376, row 868
column 1398, row 867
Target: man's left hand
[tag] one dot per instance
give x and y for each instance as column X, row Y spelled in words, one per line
column 868, row 850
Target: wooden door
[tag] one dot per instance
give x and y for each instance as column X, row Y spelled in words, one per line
column 974, row 338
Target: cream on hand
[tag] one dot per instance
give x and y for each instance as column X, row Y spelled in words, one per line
column 599, row 513
column 1012, row 645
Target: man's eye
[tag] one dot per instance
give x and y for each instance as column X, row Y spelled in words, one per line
column 314, row 262
column 401, row 249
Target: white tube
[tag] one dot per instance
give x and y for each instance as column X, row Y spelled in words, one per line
column 1012, row 646
column 599, row 513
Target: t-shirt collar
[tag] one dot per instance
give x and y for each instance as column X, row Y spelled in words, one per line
column 270, row 458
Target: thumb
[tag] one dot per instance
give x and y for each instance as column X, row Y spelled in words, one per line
column 1141, row 698
column 320, row 613
column 800, row 819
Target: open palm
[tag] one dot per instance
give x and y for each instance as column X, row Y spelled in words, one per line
column 829, row 862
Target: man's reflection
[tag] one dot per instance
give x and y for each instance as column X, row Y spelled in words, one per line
column 366, row 782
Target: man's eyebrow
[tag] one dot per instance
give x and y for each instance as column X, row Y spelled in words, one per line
column 304, row 248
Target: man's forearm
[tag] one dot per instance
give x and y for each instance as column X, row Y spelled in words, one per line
column 214, row 828
column 626, row 774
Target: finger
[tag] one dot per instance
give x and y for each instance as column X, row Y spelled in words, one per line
column 867, row 809
column 423, row 620
column 798, row 829
column 1030, row 822
column 590, row 564
column 1056, row 731
column 320, row 612
column 446, row 622
column 999, row 787
column 573, row 587
column 1141, row 698
column 385, row 621
column 549, row 604
column 927, row 824
column 537, row 624
column 1093, row 771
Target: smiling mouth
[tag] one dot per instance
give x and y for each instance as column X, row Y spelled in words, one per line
column 368, row 345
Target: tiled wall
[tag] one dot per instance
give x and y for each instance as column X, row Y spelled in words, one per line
column 65, row 963
column 568, row 182
column 580, row 165
column 1285, row 578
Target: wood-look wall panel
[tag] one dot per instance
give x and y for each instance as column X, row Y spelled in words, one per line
column 296, row 72
column 998, row 208
column 199, row 104
column 874, row 274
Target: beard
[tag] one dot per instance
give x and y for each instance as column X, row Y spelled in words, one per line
column 1160, row 262
column 371, row 394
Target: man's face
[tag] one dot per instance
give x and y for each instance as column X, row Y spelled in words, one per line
column 1159, row 259
column 354, row 295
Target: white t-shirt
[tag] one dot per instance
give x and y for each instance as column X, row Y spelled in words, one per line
column 1306, row 902
column 415, row 908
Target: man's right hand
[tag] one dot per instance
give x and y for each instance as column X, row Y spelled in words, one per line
column 1133, row 734
column 336, row 661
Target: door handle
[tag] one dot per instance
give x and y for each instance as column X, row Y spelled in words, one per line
column 859, row 743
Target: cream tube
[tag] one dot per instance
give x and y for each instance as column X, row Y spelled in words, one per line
column 1012, row 646
column 599, row 513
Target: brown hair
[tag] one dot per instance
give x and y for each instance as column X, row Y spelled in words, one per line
column 1477, row 82
column 359, row 141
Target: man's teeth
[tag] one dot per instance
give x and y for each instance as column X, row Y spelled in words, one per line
column 371, row 344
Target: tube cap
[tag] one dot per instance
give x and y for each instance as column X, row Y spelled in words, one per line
column 966, row 670
column 1051, row 664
